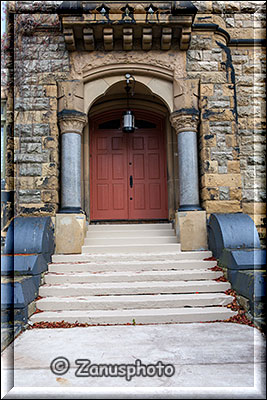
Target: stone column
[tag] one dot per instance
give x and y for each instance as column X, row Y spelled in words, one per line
column 71, row 127
column 71, row 118
column 70, row 224
column 190, row 219
column 185, row 122
column 185, row 119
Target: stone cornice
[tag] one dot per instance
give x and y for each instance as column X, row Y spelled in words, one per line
column 71, row 121
column 185, row 120
column 114, row 24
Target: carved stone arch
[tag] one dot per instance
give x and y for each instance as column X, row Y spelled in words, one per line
column 158, row 80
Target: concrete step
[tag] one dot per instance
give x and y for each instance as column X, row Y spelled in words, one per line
column 157, row 255
column 139, row 316
column 131, row 233
column 121, row 241
column 148, row 276
column 131, row 288
column 129, row 227
column 131, row 248
column 133, row 302
column 131, row 266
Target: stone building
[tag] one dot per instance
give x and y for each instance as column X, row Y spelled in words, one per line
column 191, row 73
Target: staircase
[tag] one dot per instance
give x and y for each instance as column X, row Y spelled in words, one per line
column 132, row 273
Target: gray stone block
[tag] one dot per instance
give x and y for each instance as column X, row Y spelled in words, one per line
column 31, row 103
column 32, row 158
column 19, row 294
column 30, row 196
column 29, row 235
column 243, row 259
column 30, row 170
column 233, row 231
column 250, row 283
column 28, row 264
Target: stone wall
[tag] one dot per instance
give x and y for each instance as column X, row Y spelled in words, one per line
column 232, row 101
column 40, row 61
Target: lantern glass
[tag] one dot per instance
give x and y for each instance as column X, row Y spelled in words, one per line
column 128, row 122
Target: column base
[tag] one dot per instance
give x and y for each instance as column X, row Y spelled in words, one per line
column 191, row 230
column 70, row 210
column 190, row 207
column 70, row 231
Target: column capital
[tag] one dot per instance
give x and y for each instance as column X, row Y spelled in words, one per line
column 185, row 120
column 71, row 121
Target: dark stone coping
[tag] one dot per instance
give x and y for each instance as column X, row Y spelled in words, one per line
column 71, row 210
column 76, row 113
column 231, row 231
column 186, row 111
column 30, row 235
column 249, row 283
column 19, row 294
column 23, row 264
column 242, row 259
column 190, row 207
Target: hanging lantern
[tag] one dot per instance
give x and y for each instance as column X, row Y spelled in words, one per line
column 128, row 121
column 128, row 124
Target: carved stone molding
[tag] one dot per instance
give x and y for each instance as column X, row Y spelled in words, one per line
column 71, row 122
column 110, row 22
column 185, row 120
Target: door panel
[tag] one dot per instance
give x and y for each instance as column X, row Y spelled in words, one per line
column 108, row 171
column 147, row 159
column 128, row 171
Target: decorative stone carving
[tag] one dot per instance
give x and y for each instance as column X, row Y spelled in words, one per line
column 108, row 38
column 70, row 96
column 69, row 39
column 166, row 38
column 72, row 122
column 185, row 38
column 127, row 38
column 185, row 93
column 185, row 120
column 147, row 39
column 81, row 63
column 140, row 16
column 88, row 38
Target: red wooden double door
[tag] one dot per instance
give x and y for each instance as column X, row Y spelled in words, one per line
column 127, row 170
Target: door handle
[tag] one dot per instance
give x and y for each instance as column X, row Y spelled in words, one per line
column 131, row 181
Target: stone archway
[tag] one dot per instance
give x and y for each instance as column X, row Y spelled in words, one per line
column 180, row 98
column 144, row 99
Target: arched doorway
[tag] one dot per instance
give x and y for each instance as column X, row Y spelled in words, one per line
column 152, row 120
column 128, row 172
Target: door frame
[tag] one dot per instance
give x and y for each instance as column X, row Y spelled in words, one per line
column 117, row 114
column 170, row 151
